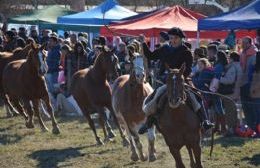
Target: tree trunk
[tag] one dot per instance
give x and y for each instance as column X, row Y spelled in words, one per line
column 78, row 5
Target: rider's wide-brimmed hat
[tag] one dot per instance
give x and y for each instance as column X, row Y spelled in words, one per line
column 177, row 32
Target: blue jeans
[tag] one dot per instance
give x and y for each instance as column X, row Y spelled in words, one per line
column 256, row 102
column 51, row 79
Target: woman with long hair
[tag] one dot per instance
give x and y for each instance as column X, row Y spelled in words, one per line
column 79, row 59
column 219, row 69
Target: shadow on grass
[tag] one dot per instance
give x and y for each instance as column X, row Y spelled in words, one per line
column 6, row 139
column 255, row 160
column 230, row 141
column 52, row 157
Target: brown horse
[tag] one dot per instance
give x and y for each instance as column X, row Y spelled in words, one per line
column 23, row 80
column 178, row 123
column 128, row 94
column 92, row 92
column 7, row 57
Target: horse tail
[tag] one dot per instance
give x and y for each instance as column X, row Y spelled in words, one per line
column 212, row 143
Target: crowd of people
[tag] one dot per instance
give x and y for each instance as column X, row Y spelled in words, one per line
column 215, row 68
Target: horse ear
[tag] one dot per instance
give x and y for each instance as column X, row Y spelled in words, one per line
column 183, row 68
column 167, row 67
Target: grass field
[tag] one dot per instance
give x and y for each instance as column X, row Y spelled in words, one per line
column 75, row 147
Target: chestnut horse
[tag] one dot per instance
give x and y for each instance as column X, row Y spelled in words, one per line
column 128, row 94
column 92, row 92
column 178, row 123
column 5, row 58
column 23, row 80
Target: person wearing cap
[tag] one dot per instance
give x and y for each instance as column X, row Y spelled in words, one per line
column 45, row 36
column 174, row 55
column 22, row 33
column 35, row 36
column 102, row 41
column 9, row 41
column 53, row 62
column 212, row 53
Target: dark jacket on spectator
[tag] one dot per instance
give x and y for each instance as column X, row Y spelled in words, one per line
column 76, row 63
column 53, row 59
column 174, row 57
column 10, row 45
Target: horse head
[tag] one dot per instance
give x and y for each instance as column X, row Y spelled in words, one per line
column 37, row 56
column 109, row 62
column 175, row 86
column 137, row 67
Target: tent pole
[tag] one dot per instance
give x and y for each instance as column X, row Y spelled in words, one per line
column 198, row 39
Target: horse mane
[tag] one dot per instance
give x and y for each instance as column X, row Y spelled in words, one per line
column 174, row 71
column 18, row 49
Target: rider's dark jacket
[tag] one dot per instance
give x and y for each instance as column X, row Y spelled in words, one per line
column 174, row 57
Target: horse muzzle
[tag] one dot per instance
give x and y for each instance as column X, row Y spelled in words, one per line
column 175, row 103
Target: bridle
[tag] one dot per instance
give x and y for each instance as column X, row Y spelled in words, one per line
column 180, row 100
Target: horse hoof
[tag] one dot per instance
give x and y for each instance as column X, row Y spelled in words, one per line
column 125, row 142
column 15, row 114
column 152, row 158
column 107, row 139
column 8, row 115
column 56, row 130
column 100, row 142
column 29, row 125
column 143, row 158
column 111, row 135
column 45, row 129
column 134, row 157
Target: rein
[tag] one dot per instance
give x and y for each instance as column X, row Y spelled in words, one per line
column 207, row 92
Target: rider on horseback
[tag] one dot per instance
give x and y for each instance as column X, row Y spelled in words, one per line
column 172, row 55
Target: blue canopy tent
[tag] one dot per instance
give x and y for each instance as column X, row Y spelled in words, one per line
column 103, row 14
column 246, row 17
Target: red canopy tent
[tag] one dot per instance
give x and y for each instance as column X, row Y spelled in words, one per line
column 164, row 19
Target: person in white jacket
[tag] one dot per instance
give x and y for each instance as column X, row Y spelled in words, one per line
column 232, row 76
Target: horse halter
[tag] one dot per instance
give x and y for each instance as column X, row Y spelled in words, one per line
column 175, row 90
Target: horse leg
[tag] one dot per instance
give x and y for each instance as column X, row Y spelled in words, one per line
column 29, row 110
column 36, row 103
column 177, row 156
column 102, row 117
column 19, row 107
column 151, row 146
column 10, row 110
column 86, row 113
column 134, row 155
column 111, row 133
column 138, row 145
column 55, row 128
column 192, row 163
column 197, row 154
column 117, row 124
